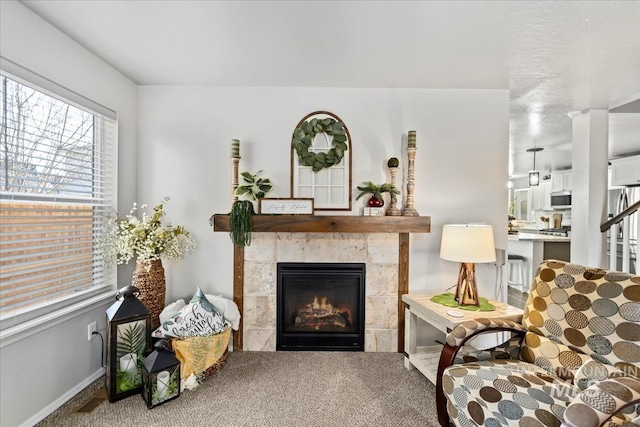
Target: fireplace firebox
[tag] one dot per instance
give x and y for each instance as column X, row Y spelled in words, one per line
column 320, row 306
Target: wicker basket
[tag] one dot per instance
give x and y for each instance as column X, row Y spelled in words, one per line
column 201, row 355
column 219, row 364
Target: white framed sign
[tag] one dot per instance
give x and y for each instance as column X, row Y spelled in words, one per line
column 295, row 206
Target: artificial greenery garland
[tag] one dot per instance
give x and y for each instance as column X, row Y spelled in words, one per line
column 303, row 138
column 240, row 222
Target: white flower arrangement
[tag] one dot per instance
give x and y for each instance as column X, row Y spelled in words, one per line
column 145, row 239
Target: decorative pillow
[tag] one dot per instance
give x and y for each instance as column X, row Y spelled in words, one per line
column 227, row 308
column 198, row 318
column 171, row 310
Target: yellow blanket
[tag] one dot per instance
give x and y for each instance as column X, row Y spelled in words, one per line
column 196, row 354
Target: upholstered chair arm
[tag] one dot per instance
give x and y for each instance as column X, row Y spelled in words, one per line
column 466, row 330
column 454, row 342
column 597, row 403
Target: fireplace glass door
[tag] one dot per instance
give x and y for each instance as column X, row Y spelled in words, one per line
column 320, row 306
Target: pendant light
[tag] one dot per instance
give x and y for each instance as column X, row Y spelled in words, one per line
column 534, row 175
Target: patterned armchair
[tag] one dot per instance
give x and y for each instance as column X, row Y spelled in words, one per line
column 574, row 360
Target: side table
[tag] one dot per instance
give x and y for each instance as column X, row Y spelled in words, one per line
column 420, row 306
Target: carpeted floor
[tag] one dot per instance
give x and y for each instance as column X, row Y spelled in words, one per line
column 280, row 389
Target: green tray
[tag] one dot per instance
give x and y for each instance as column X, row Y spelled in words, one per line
column 448, row 299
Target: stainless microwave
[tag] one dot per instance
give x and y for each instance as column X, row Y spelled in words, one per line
column 561, row 200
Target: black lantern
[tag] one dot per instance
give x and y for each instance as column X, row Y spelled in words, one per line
column 129, row 339
column 160, row 375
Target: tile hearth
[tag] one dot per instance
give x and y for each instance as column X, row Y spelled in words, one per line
column 378, row 250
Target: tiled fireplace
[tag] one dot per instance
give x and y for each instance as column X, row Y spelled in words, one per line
column 320, row 306
column 382, row 243
column 378, row 251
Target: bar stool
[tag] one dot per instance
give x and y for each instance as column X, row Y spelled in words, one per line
column 516, row 262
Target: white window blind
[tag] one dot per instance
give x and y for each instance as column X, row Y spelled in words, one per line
column 57, row 190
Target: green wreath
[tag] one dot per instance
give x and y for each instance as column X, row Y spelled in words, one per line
column 303, row 138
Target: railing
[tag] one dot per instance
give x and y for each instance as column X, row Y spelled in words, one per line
column 625, row 218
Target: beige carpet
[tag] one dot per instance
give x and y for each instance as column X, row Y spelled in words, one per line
column 280, row 389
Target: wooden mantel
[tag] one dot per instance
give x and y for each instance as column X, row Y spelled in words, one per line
column 331, row 224
column 402, row 225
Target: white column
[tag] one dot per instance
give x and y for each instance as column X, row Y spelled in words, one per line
column 589, row 186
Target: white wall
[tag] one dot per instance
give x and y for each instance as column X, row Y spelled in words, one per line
column 183, row 151
column 461, row 164
column 38, row 372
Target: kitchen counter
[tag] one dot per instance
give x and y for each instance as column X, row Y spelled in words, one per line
column 536, row 248
column 528, row 230
column 538, row 237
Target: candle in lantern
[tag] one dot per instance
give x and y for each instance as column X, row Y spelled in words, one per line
column 162, row 383
column 411, row 139
column 129, row 362
column 235, row 148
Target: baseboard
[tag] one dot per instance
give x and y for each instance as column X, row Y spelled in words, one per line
column 49, row 409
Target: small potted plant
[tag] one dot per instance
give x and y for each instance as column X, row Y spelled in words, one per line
column 376, row 191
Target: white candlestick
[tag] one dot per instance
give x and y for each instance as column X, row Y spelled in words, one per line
column 393, row 210
column 409, row 210
column 129, row 362
column 162, row 383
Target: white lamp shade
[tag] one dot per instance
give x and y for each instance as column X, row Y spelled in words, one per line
column 468, row 243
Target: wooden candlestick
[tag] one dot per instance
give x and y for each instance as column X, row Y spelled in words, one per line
column 393, row 210
column 409, row 210
column 235, row 160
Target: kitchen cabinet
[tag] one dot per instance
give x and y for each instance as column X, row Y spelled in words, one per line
column 531, row 199
column 561, row 180
column 522, row 203
column 625, row 171
column 546, row 195
column 541, row 196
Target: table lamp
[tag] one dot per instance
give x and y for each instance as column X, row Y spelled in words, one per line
column 467, row 244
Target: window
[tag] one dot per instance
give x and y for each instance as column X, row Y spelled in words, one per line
column 57, row 185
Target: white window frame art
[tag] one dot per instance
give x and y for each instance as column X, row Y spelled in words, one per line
column 330, row 187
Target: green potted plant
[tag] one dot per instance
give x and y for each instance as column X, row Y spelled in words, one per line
column 255, row 188
column 376, row 192
column 242, row 210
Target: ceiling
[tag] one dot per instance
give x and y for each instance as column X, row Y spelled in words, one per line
column 555, row 57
